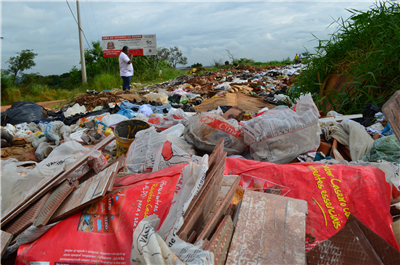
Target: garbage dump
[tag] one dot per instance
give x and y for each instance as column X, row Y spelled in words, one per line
column 218, row 168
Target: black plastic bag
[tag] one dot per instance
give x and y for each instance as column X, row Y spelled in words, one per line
column 22, row 111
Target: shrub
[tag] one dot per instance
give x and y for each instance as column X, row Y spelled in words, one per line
column 364, row 46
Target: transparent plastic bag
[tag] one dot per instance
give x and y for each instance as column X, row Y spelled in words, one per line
column 279, row 136
column 206, row 129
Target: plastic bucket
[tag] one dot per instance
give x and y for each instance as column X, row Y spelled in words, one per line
column 125, row 132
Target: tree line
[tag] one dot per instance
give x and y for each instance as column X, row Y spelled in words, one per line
column 145, row 66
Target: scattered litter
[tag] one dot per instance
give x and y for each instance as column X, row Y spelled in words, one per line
column 144, row 175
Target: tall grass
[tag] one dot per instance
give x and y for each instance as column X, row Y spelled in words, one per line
column 366, row 46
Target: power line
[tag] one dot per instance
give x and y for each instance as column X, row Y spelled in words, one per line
column 95, row 22
column 77, row 23
column 83, row 11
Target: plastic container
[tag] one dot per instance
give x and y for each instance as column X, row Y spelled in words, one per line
column 125, row 132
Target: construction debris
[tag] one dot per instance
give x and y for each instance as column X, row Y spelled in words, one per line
column 187, row 171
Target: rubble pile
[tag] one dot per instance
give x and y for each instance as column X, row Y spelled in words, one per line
column 217, row 168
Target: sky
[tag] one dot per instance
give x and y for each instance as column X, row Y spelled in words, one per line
column 203, row 30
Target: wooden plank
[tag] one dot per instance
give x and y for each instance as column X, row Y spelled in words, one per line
column 391, row 109
column 270, row 230
column 27, row 217
column 216, row 155
column 219, row 243
column 92, row 190
column 227, row 183
column 5, row 241
column 212, row 223
column 206, row 201
column 56, row 198
column 56, row 179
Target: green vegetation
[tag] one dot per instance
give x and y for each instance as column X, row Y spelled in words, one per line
column 22, row 61
column 196, row 65
column 366, row 47
column 101, row 75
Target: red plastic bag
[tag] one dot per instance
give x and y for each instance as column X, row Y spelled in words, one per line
column 332, row 193
column 102, row 233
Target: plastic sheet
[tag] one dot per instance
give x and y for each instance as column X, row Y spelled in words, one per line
column 280, row 135
column 206, row 129
column 386, row 148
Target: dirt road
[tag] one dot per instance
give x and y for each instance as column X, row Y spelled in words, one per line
column 46, row 104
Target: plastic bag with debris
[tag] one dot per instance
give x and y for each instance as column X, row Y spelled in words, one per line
column 174, row 117
column 156, row 97
column 141, row 154
column 148, row 247
column 62, row 156
column 206, row 129
column 386, row 148
column 279, row 136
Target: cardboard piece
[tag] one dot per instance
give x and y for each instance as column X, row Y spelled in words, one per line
column 92, row 190
column 219, row 243
column 48, row 185
column 245, row 102
column 391, row 109
column 270, row 230
column 5, row 241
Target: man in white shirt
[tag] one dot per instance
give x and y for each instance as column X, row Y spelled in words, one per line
column 125, row 68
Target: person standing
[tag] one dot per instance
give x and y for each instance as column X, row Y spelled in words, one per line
column 296, row 58
column 125, row 68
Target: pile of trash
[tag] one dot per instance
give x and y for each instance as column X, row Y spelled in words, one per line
column 217, row 168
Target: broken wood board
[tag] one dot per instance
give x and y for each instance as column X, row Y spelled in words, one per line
column 92, row 190
column 248, row 103
column 5, row 241
column 270, row 230
column 57, row 196
column 225, row 195
column 216, row 155
column 348, row 246
column 49, row 184
column 386, row 252
column 206, row 200
column 391, row 109
column 219, row 243
column 26, row 218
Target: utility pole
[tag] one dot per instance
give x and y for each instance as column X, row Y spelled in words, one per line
column 83, row 65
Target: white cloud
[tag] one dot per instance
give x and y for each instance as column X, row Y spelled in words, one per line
column 261, row 30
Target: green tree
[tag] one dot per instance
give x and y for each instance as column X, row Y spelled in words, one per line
column 196, row 65
column 22, row 61
column 176, row 57
column 162, row 55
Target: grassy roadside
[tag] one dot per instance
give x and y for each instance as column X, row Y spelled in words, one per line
column 101, row 82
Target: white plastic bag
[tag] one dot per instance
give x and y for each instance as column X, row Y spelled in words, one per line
column 206, row 129
column 174, row 117
column 190, row 182
column 279, row 136
column 113, row 119
column 141, row 154
column 75, row 109
column 148, row 247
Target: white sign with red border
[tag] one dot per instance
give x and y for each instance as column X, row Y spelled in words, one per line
column 138, row 45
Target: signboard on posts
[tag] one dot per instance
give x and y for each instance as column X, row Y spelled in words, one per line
column 139, row 45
